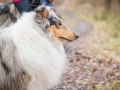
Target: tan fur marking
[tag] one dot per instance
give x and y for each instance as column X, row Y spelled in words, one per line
column 39, row 15
column 62, row 32
column 60, row 21
column 43, row 14
column 29, row 79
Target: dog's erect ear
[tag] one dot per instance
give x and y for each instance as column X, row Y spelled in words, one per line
column 42, row 12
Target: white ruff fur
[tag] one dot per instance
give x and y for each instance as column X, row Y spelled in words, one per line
column 41, row 56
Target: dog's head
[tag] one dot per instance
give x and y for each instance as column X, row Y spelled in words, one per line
column 54, row 24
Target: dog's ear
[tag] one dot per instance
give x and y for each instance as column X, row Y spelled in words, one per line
column 53, row 9
column 42, row 12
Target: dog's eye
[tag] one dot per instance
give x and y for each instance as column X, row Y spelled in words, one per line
column 59, row 24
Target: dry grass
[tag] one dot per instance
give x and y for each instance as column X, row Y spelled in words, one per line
column 105, row 41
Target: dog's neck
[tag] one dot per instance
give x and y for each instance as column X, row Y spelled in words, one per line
column 40, row 26
column 56, row 43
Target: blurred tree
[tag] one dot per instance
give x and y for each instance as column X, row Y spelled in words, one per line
column 108, row 4
column 119, row 2
column 112, row 3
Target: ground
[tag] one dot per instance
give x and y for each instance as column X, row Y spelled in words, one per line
column 87, row 68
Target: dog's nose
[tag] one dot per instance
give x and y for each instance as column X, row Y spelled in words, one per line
column 76, row 36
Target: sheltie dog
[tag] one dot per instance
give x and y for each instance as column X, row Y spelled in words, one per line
column 32, row 56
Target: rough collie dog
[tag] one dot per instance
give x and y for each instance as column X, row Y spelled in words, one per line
column 32, row 56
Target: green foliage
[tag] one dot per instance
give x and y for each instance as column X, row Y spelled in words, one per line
column 114, row 86
column 115, row 26
column 103, row 16
column 113, row 23
column 111, row 27
column 98, row 87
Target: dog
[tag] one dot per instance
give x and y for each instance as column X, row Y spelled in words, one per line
column 32, row 56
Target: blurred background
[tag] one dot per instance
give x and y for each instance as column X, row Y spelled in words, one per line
column 93, row 59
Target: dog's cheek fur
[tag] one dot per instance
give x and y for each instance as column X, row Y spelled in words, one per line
column 12, row 76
